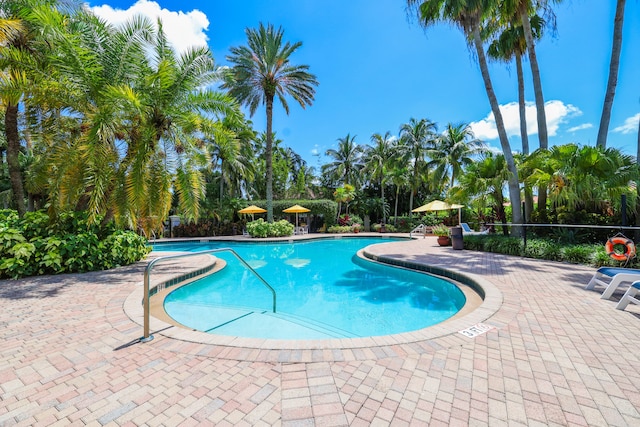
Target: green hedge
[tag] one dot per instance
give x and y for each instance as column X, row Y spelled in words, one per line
column 32, row 245
column 327, row 208
column 260, row 228
column 590, row 254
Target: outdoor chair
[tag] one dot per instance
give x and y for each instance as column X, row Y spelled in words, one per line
column 611, row 278
column 629, row 296
column 468, row 231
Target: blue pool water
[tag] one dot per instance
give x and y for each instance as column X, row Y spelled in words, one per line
column 323, row 291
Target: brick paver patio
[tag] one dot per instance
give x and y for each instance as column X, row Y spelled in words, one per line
column 557, row 355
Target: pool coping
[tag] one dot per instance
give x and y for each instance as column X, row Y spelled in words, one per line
column 427, row 339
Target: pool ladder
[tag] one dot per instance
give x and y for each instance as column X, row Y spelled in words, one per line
column 147, row 274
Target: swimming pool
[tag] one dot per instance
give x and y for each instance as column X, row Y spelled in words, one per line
column 323, row 291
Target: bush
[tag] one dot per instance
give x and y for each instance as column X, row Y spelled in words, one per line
column 578, row 254
column 33, row 245
column 543, row 249
column 345, row 219
column 260, row 228
column 441, row 230
column 339, row 229
column 388, row 228
column 586, row 253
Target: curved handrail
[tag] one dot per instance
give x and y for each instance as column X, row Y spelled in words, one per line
column 147, row 273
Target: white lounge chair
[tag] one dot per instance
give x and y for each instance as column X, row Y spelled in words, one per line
column 629, row 296
column 611, row 278
column 419, row 229
column 468, row 231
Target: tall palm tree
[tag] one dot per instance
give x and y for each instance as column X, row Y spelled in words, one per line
column 399, row 176
column 347, row 161
column 22, row 47
column 142, row 120
column 456, row 148
column 510, row 44
column 262, row 71
column 468, row 15
column 525, row 9
column 377, row 157
column 612, row 82
column 417, row 137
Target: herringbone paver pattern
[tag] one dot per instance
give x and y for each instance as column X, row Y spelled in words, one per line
column 558, row 355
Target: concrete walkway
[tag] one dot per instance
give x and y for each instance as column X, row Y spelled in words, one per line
column 556, row 355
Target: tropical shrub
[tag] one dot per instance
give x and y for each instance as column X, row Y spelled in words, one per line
column 578, row 254
column 389, row 228
column 261, row 228
column 586, row 253
column 440, row 230
column 33, row 245
column 345, row 219
column 339, row 229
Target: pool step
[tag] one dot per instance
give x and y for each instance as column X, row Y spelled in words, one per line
column 256, row 323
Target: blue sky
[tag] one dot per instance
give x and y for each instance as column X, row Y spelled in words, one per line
column 377, row 69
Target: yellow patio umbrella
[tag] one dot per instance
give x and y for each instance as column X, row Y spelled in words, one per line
column 253, row 209
column 296, row 209
column 439, row 205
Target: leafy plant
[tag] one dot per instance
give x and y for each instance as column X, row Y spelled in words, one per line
column 440, row 230
column 339, row 229
column 260, row 228
column 34, row 245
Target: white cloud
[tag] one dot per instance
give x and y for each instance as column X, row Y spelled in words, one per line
column 557, row 113
column 580, row 127
column 630, row 125
column 183, row 30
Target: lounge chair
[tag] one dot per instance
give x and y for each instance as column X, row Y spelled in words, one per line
column 629, row 296
column 611, row 278
column 468, row 231
column 422, row 229
column 419, row 229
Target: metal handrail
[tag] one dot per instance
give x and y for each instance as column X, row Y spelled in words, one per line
column 147, row 273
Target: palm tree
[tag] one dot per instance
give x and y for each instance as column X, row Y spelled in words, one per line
column 399, row 176
column 347, row 162
column 612, row 82
column 468, row 15
column 456, row 148
column 262, row 72
column 485, row 180
column 417, row 137
column 583, row 177
column 525, row 9
column 141, row 125
column 511, row 44
column 377, row 157
column 22, row 45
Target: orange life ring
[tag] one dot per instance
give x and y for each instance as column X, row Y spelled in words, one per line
column 629, row 252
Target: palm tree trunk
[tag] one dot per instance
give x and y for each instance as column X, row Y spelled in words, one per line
column 537, row 84
column 413, row 183
column 384, row 216
column 614, row 65
column 522, row 106
column 268, row 158
column 221, row 180
column 528, row 194
column 13, row 151
column 637, row 233
column 395, row 217
column 514, row 186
